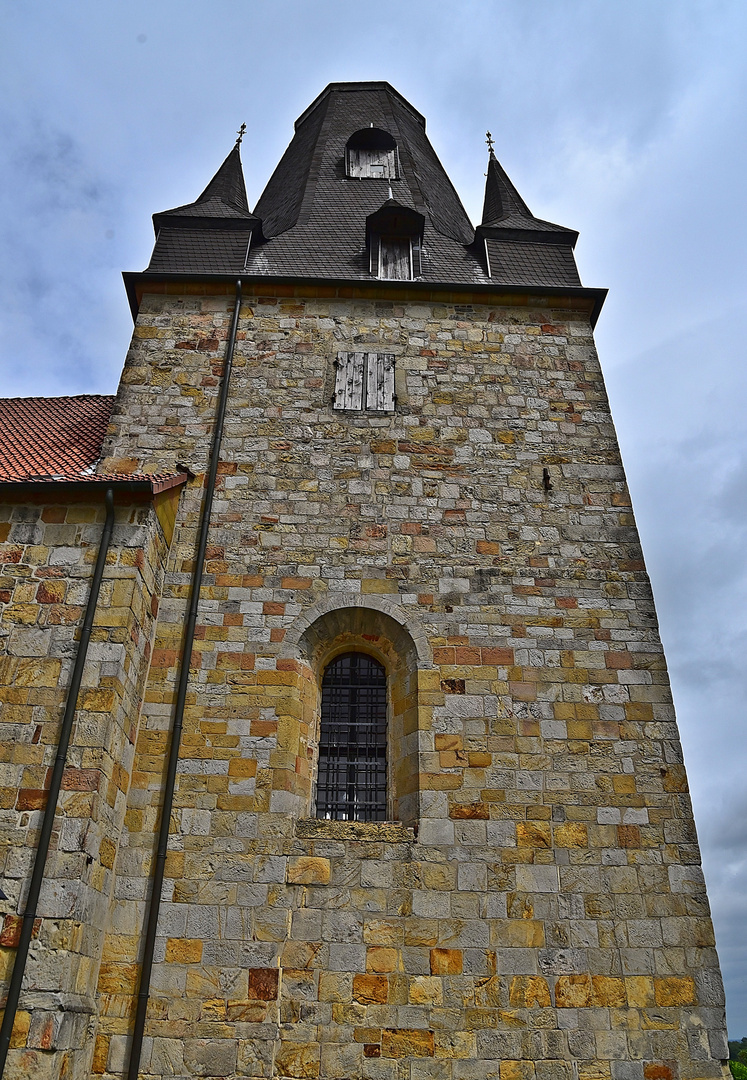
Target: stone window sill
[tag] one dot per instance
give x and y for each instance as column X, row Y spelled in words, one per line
column 390, row 832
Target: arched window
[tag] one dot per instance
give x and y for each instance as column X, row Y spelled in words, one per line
column 351, row 782
column 372, row 153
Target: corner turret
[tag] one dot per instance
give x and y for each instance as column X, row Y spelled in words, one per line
column 518, row 247
column 213, row 234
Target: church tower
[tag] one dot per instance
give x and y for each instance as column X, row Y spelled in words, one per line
column 399, row 790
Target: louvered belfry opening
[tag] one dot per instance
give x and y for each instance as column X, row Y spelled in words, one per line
column 351, row 784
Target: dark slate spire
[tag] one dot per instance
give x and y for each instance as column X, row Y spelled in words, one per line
column 314, row 208
column 213, row 234
column 504, row 207
column 502, row 200
column 519, row 248
column 224, row 196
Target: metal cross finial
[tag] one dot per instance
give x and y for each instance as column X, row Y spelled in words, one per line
column 240, row 134
column 489, row 141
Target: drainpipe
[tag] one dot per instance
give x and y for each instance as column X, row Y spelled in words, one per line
column 37, row 876
column 176, row 729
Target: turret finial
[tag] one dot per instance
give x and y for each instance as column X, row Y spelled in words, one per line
column 489, row 141
column 240, row 134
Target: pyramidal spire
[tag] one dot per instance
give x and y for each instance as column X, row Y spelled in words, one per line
column 228, row 183
column 502, row 200
column 224, row 197
column 504, row 211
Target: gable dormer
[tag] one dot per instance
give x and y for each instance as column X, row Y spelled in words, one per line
column 394, row 237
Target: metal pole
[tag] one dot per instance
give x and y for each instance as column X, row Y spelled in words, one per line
column 37, row 876
column 181, row 696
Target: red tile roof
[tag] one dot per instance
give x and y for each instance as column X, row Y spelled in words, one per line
column 52, row 438
column 48, row 440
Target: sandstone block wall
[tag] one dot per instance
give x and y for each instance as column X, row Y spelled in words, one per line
column 48, row 553
column 535, row 909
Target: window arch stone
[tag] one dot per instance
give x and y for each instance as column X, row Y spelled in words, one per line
column 331, row 629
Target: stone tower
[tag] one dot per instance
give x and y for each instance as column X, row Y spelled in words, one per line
column 428, row 818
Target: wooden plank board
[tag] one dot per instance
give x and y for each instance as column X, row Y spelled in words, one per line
column 395, row 261
column 380, row 382
column 349, row 381
column 363, row 161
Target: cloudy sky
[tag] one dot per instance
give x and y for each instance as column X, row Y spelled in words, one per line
column 624, row 119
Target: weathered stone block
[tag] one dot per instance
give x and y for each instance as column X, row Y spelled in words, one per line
column 308, row 870
column 262, row 983
column 446, row 961
column 405, row 1043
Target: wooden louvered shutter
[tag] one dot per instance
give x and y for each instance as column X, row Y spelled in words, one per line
column 380, row 382
column 349, row 381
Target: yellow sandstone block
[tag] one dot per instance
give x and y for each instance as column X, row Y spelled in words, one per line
column 607, row 991
column 674, row 991
column 183, row 950
column 100, row 1054
column 573, row 992
column 532, row 834
column 371, row 989
column 335, row 986
column 308, row 870
column 379, row 958
column 521, row 934
column 378, row 585
column 20, row 1031
column 640, row 991
column 378, row 932
column 118, row 978
column 243, row 767
column 517, row 1070
column 426, row 990
column 446, row 961
column 297, row 1060
column 404, row 1042
column 528, row 991
column 571, row 835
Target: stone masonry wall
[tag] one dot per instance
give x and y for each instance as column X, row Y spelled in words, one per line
column 538, row 910
column 47, row 554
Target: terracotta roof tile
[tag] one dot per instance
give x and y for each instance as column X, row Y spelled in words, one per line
column 52, row 437
column 59, row 440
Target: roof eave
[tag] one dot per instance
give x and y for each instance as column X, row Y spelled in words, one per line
column 141, row 490
column 166, row 219
column 593, row 297
column 531, row 236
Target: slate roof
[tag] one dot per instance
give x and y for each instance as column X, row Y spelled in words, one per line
column 224, row 197
column 518, row 262
column 310, row 221
column 200, row 251
column 210, row 235
column 59, row 440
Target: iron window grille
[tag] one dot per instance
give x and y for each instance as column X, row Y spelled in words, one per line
column 351, row 783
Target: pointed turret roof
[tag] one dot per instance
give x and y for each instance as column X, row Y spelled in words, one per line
column 224, row 197
column 505, row 209
column 314, row 209
column 213, row 234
